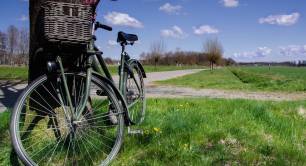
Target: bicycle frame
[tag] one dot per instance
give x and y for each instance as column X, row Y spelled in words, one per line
column 95, row 64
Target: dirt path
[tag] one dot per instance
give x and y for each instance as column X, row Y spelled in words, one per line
column 9, row 91
column 180, row 92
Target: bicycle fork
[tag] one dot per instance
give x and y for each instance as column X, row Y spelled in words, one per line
column 76, row 112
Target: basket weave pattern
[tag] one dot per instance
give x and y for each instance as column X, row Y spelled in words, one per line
column 67, row 22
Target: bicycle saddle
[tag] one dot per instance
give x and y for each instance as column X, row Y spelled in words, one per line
column 124, row 37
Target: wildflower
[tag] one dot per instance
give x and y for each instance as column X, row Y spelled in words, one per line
column 157, row 130
column 146, row 132
column 186, row 146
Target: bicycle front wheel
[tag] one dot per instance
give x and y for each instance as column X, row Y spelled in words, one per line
column 46, row 131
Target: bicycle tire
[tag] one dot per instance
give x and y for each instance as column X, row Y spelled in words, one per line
column 23, row 153
column 137, row 111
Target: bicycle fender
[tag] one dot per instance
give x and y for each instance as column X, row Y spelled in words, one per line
column 119, row 96
column 139, row 65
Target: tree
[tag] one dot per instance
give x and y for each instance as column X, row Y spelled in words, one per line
column 12, row 36
column 3, row 47
column 24, row 41
column 214, row 51
column 230, row 62
column 157, row 49
column 23, row 45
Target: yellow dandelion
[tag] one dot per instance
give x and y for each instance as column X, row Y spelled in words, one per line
column 156, row 129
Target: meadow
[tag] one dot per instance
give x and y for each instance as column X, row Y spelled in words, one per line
column 287, row 79
column 209, row 132
column 21, row 73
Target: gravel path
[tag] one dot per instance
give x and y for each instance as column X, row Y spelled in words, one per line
column 181, row 92
column 9, row 91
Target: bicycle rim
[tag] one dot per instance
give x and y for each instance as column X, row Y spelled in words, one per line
column 44, row 134
column 135, row 95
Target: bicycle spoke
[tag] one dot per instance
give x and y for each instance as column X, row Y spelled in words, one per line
column 101, row 135
column 36, row 109
column 39, row 104
column 113, row 114
column 43, row 99
column 51, row 150
column 51, row 94
column 87, row 151
column 49, row 136
column 67, row 152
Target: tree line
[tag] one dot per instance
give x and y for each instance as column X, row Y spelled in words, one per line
column 14, row 50
column 14, row 46
column 211, row 55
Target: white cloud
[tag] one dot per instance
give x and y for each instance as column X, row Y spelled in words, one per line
column 284, row 20
column 293, row 50
column 230, row 3
column 23, row 18
column 205, row 29
column 174, row 32
column 112, row 43
column 259, row 53
column 171, row 9
column 263, row 51
column 122, row 19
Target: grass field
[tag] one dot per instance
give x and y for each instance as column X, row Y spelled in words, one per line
column 13, row 73
column 289, row 79
column 21, row 73
column 210, row 132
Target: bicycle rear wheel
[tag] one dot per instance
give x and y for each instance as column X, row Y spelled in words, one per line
column 135, row 94
column 44, row 130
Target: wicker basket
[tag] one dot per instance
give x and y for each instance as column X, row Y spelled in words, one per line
column 67, row 22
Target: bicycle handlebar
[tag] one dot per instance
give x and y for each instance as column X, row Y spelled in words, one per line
column 102, row 26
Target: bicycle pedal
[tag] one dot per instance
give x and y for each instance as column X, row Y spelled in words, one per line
column 134, row 131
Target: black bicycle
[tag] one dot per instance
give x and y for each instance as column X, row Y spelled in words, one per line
column 75, row 115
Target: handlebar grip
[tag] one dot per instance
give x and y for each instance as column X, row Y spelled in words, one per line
column 106, row 27
column 102, row 26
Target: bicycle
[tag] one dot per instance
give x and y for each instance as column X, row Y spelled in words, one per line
column 76, row 115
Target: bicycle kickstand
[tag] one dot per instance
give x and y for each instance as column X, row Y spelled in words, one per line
column 134, row 131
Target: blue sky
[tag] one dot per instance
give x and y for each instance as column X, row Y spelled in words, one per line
column 250, row 30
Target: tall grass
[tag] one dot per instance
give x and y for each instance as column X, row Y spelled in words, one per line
column 211, row 132
column 282, row 79
column 218, row 132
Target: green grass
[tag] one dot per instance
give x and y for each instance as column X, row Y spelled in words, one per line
column 21, row 73
column 169, row 68
column 13, row 73
column 210, row 132
column 288, row 79
column 5, row 144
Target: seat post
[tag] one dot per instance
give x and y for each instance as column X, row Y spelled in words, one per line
column 123, row 47
column 122, row 62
